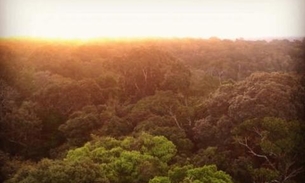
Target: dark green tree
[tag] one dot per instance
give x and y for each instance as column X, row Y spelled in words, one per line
column 275, row 145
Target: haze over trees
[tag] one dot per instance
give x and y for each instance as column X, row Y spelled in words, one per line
column 152, row 111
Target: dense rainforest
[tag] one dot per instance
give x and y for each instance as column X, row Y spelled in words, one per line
column 152, row 111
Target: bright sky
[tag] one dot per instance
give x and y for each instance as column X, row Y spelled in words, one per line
column 141, row 18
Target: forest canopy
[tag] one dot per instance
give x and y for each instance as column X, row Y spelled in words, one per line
column 152, row 110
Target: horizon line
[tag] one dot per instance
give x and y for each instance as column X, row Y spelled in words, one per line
column 256, row 38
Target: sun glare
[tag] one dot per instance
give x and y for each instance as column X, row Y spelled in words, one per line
column 91, row 19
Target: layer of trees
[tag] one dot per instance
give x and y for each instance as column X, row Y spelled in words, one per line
column 155, row 111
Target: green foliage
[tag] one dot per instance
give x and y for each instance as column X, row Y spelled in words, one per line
column 211, row 155
column 157, row 125
column 157, row 146
column 48, row 171
column 144, row 70
column 192, row 98
column 105, row 160
column 160, row 180
column 274, row 141
column 207, row 174
column 204, row 174
column 63, row 96
column 109, row 85
column 21, row 130
column 202, row 84
column 240, row 168
column 165, row 103
column 177, row 78
column 178, row 174
column 275, row 136
column 264, row 175
column 80, row 125
column 260, row 95
column 134, row 159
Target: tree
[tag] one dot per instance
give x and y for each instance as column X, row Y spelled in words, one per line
column 207, row 174
column 56, row 171
column 262, row 94
column 129, row 160
column 8, row 64
column 210, row 156
column 80, row 124
column 162, row 126
column 276, row 144
column 66, row 96
column 144, row 70
column 189, row 174
column 104, row 160
column 164, row 103
column 177, row 78
column 177, row 174
column 21, row 131
column 159, row 180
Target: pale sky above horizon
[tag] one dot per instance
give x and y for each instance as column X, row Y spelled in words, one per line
column 117, row 18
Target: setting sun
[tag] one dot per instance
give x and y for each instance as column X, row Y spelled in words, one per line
column 91, row 19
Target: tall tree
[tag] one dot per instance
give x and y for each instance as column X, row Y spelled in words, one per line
column 275, row 145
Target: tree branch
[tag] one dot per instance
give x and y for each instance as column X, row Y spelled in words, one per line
column 174, row 117
column 245, row 143
column 256, row 130
column 293, row 173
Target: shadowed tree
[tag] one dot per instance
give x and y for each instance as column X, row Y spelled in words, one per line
column 262, row 94
column 275, row 143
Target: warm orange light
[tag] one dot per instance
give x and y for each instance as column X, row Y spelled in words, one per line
column 92, row 18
